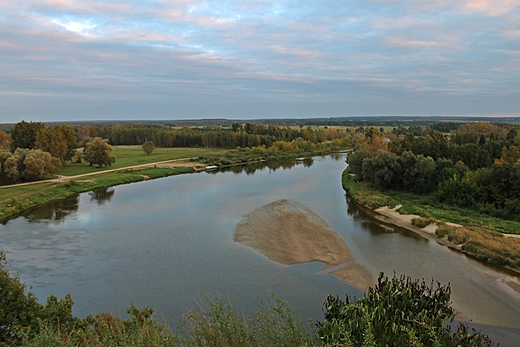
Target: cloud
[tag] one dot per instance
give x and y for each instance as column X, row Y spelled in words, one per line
column 491, row 7
column 270, row 56
column 423, row 45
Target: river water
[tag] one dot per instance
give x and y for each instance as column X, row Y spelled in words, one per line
column 166, row 242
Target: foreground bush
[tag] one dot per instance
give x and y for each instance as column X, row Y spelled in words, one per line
column 396, row 312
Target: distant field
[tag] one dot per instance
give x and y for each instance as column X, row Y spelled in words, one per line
column 134, row 155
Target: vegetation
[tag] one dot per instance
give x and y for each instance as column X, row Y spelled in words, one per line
column 396, row 312
column 134, row 155
column 482, row 235
column 97, row 152
column 476, row 166
column 16, row 199
column 148, row 147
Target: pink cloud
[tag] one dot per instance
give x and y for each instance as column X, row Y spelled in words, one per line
column 423, row 45
column 302, row 53
column 491, row 7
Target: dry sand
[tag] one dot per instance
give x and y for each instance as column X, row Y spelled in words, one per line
column 289, row 233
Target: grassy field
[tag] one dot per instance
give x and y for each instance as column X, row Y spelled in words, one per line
column 134, row 155
column 482, row 236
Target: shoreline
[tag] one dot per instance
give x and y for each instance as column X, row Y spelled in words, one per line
column 391, row 216
column 70, row 185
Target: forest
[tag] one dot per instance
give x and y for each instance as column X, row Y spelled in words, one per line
column 474, row 165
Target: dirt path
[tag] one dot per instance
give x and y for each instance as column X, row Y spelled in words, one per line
column 165, row 163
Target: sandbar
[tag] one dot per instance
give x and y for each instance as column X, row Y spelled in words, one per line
column 289, row 233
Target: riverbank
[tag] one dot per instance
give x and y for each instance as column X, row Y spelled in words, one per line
column 16, row 199
column 485, row 238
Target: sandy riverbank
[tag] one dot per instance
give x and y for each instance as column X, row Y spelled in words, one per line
column 391, row 216
column 289, row 233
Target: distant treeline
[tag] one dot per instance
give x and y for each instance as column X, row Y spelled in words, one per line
column 237, row 135
column 476, row 166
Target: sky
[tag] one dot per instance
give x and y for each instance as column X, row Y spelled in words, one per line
column 64, row 60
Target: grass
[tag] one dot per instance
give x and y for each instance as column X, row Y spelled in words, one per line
column 15, row 200
column 481, row 237
column 134, row 155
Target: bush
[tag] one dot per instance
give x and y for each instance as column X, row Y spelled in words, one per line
column 423, row 222
column 396, row 312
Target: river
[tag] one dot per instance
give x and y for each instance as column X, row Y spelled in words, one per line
column 165, row 242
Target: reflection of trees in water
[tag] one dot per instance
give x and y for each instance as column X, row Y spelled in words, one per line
column 54, row 211
column 367, row 219
column 102, row 195
column 338, row 156
column 250, row 169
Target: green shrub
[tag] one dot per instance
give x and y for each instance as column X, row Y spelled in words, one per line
column 396, row 312
column 423, row 222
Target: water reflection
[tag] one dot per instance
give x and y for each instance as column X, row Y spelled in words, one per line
column 55, row 211
column 271, row 166
column 374, row 222
column 102, row 195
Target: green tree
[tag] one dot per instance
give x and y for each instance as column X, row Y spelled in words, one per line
column 37, row 164
column 387, row 170
column 24, row 134
column 8, row 167
column 21, row 314
column 148, row 147
column 396, row 312
column 97, row 152
column 424, row 172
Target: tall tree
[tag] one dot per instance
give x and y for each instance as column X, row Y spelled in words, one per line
column 24, row 134
column 53, row 141
column 97, row 152
column 8, row 167
column 70, row 139
column 5, row 140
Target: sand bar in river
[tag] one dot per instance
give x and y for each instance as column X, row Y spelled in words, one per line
column 289, row 233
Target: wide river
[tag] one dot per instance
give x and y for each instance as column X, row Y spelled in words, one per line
column 166, row 242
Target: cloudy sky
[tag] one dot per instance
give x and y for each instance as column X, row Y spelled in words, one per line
column 180, row 59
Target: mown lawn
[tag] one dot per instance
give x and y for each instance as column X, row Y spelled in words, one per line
column 134, row 155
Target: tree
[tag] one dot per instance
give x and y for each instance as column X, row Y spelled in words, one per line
column 70, row 139
column 24, row 134
column 148, row 147
column 97, row 152
column 5, row 140
column 52, row 141
column 424, row 172
column 396, row 312
column 38, row 163
column 21, row 313
column 8, row 167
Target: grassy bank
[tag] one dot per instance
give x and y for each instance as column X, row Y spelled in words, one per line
column 17, row 199
column 481, row 236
